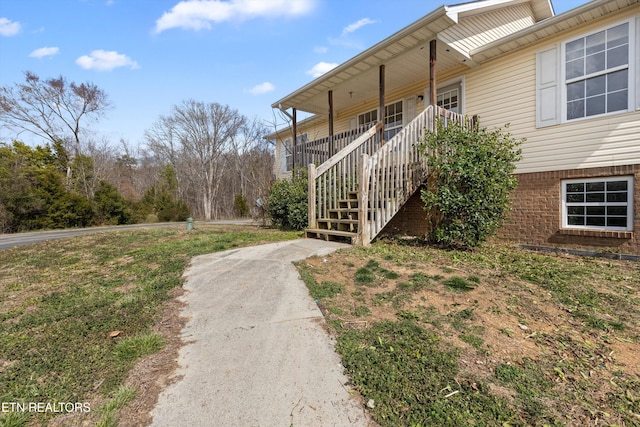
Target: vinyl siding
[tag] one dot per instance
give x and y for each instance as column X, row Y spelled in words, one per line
column 475, row 31
column 503, row 91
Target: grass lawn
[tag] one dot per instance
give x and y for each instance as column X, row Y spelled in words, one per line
column 500, row 336
column 77, row 314
column 496, row 337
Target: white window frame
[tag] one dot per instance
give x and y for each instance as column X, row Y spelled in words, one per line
column 287, row 155
column 551, row 84
column 397, row 128
column 629, row 203
column 631, row 70
column 446, row 90
column 460, row 82
column 287, row 151
column 366, row 123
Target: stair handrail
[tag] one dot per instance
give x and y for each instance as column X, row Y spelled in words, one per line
column 348, row 149
column 317, row 176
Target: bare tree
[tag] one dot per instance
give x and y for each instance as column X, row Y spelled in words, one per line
column 195, row 139
column 52, row 109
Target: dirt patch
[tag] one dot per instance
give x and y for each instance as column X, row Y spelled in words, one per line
column 586, row 340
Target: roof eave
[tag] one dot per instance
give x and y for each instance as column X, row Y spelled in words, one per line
column 496, row 48
column 441, row 13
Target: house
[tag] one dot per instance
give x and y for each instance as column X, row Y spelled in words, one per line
column 568, row 83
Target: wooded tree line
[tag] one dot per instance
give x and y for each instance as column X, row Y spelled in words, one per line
column 202, row 159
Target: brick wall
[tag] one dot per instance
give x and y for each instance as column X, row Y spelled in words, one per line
column 411, row 219
column 535, row 217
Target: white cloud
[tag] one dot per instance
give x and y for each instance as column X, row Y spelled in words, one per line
column 199, row 14
column 102, row 60
column 356, row 25
column 8, row 28
column 262, row 88
column 321, row 67
column 321, row 49
column 44, row 51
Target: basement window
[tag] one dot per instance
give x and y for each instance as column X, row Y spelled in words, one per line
column 599, row 204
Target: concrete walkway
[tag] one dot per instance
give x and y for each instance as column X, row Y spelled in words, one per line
column 257, row 353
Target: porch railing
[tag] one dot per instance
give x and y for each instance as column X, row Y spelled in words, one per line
column 321, row 150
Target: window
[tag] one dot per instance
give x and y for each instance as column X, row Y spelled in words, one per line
column 448, row 99
column 288, row 155
column 589, row 76
column 392, row 120
column 287, row 151
column 368, row 119
column 601, row 203
column 597, row 73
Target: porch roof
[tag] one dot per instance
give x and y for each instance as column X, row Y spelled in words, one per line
column 405, row 55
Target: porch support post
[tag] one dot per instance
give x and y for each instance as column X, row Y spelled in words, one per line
column 294, row 141
column 432, row 72
column 311, row 210
column 331, row 148
column 381, row 97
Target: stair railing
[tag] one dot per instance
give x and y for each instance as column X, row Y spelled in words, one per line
column 335, row 178
column 391, row 175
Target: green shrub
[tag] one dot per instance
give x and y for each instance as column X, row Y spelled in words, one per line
column 470, row 178
column 288, row 202
column 112, row 207
column 162, row 200
column 240, row 205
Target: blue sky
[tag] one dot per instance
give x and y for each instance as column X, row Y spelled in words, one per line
column 148, row 55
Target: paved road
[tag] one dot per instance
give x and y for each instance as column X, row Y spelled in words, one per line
column 256, row 351
column 8, row 241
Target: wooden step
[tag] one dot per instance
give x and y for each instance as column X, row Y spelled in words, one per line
column 338, row 224
column 331, row 235
column 348, row 204
column 343, row 213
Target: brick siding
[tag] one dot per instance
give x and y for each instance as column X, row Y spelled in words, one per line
column 535, row 216
column 411, row 219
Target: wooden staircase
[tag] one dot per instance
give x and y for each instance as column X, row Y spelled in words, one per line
column 354, row 194
column 341, row 222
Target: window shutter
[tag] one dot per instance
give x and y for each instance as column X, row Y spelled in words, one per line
column 547, row 88
column 353, row 123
